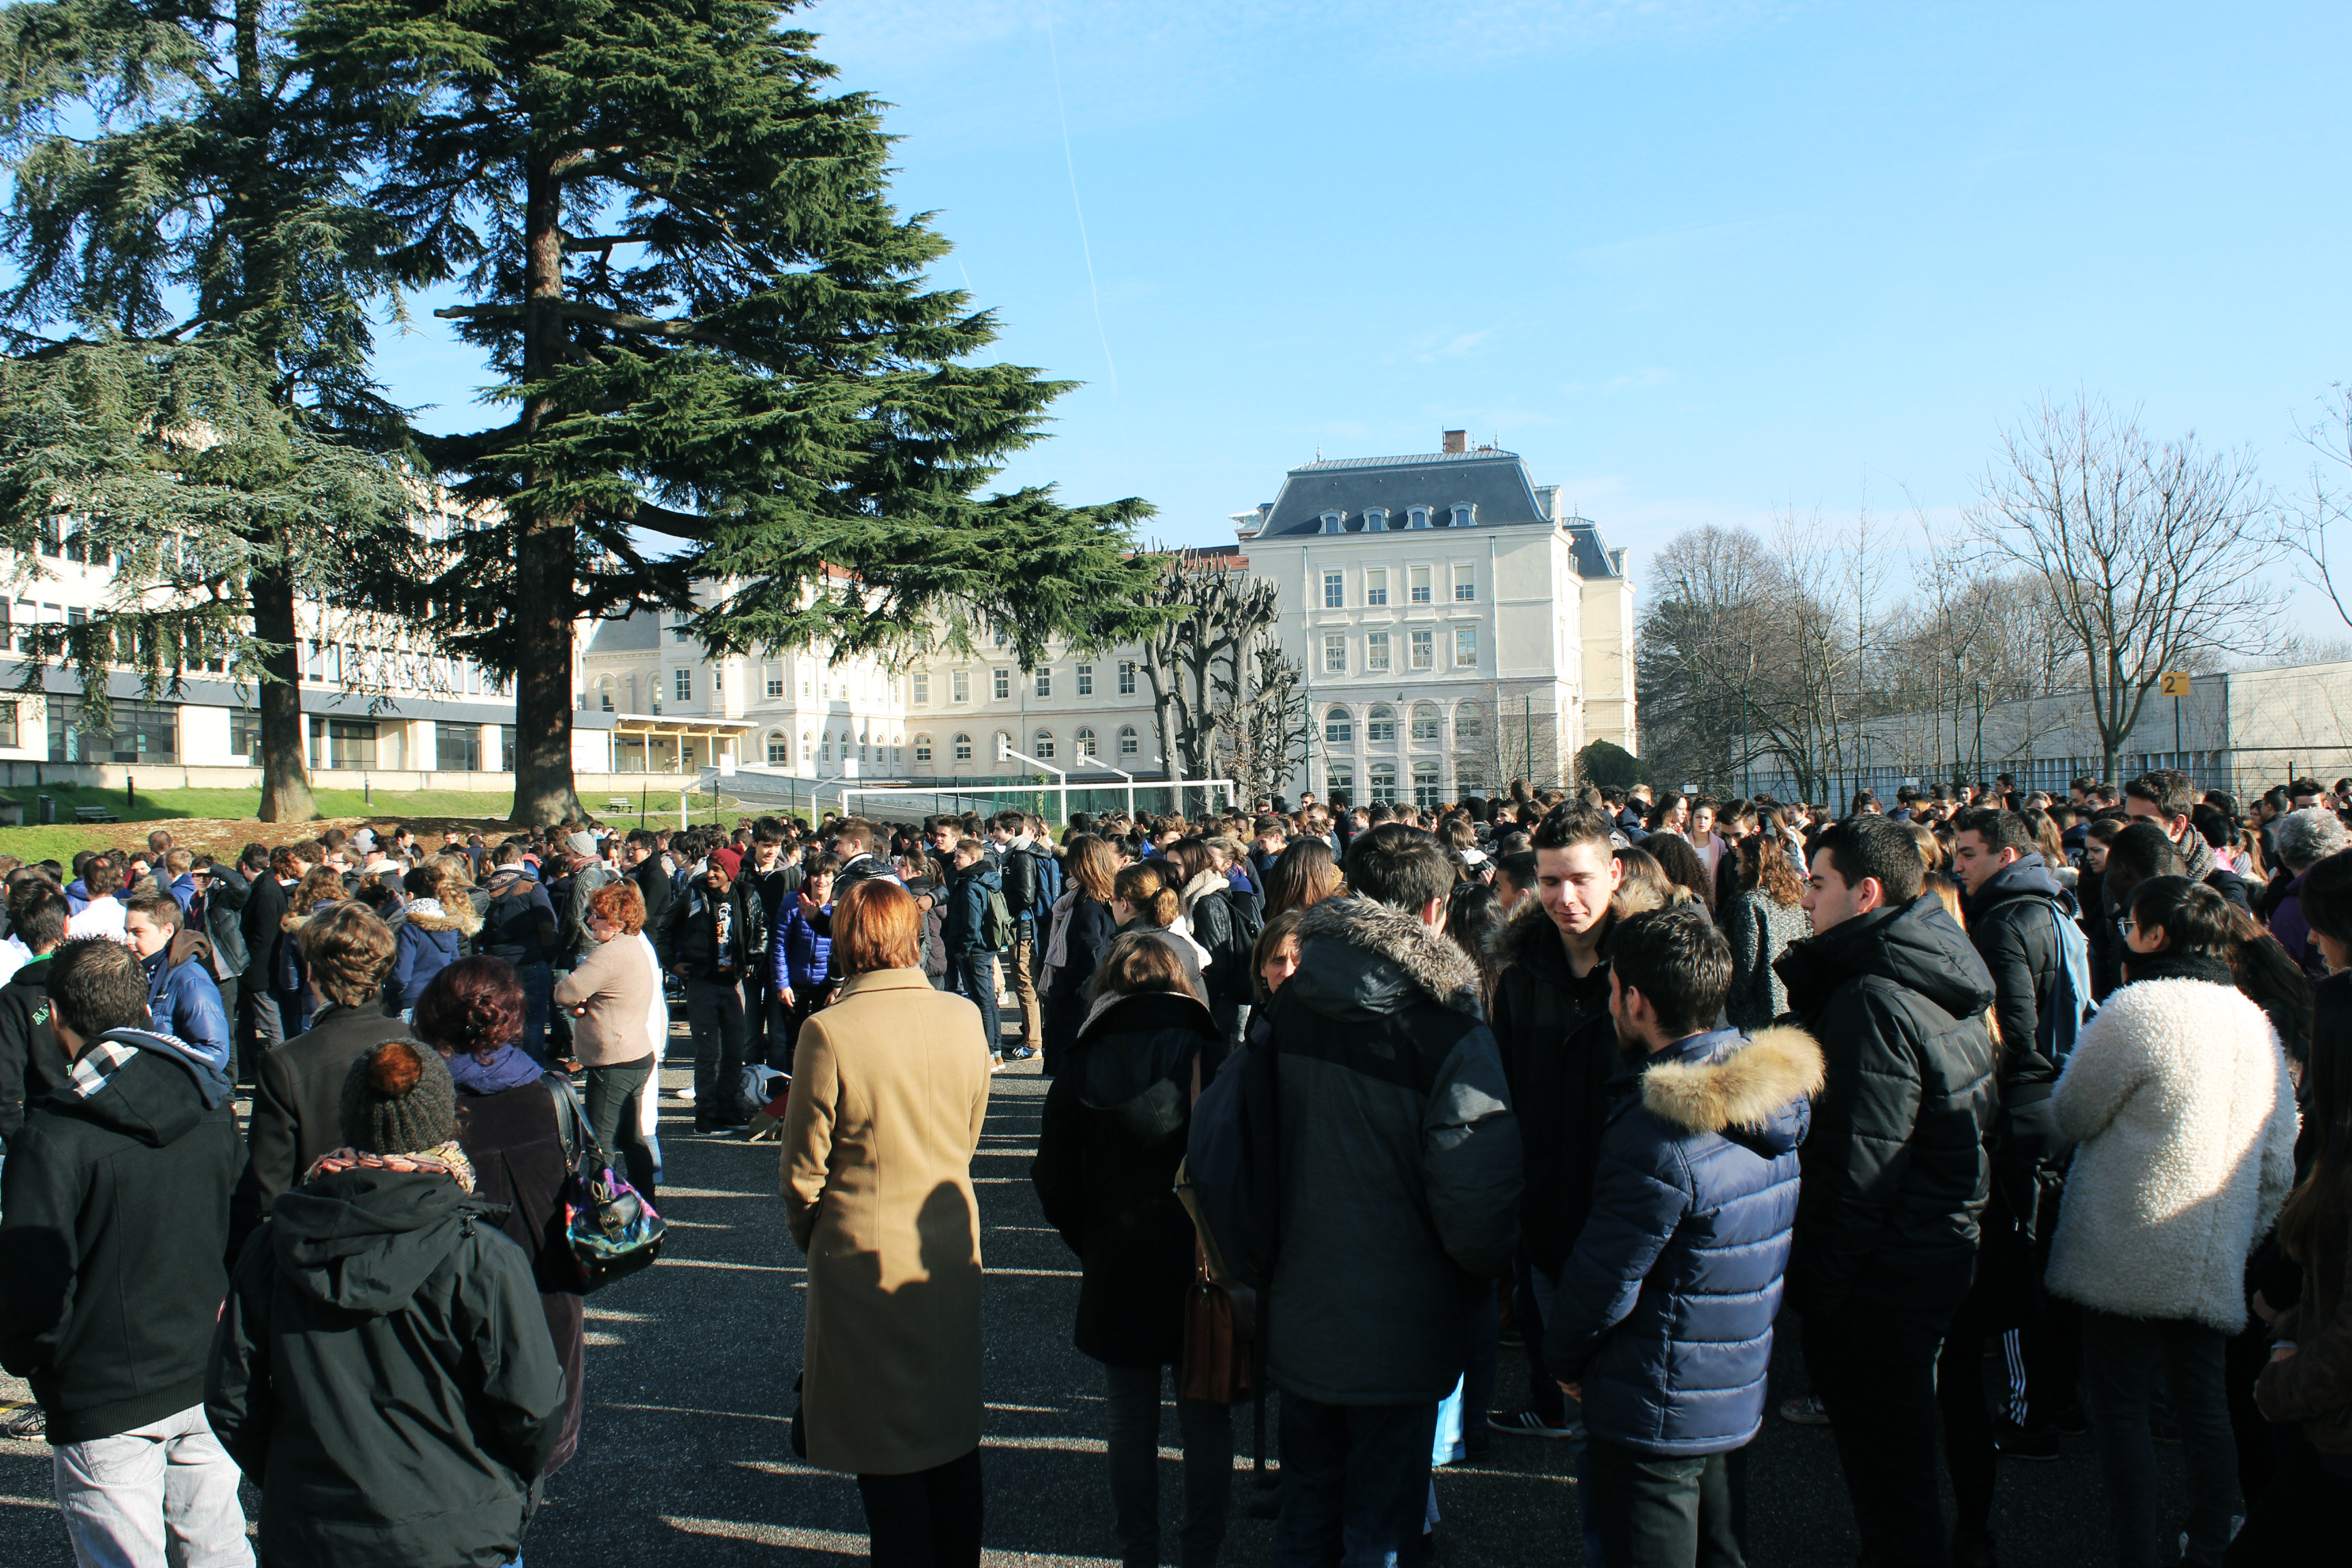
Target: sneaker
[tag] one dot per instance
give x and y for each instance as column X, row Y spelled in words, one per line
column 2015, row 1442
column 997, row 1062
column 1805, row 1410
column 685, row 1095
column 1024, row 1053
column 1527, row 1422
column 25, row 1422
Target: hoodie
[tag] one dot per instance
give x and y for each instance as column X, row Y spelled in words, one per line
column 427, row 942
column 112, row 1222
column 1896, row 1170
column 383, row 1372
column 2013, row 925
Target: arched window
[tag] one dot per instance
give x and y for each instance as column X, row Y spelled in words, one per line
column 1425, row 723
column 1041, row 745
column 1469, row 722
column 1424, row 783
column 1339, row 728
column 962, row 748
column 1384, row 781
column 1380, row 724
column 1085, row 742
column 1126, row 743
column 923, row 749
column 780, row 750
column 605, row 693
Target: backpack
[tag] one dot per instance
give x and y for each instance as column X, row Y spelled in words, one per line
column 996, row 924
column 2071, row 1003
column 1049, row 879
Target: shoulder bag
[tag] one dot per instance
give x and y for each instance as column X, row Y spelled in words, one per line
column 612, row 1231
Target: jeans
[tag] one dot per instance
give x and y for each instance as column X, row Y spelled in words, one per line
column 1527, row 1304
column 1654, row 1511
column 1876, row 1377
column 975, row 981
column 258, row 1025
column 615, row 1097
column 1020, row 980
column 538, row 992
column 1208, row 1429
column 715, row 1008
column 930, row 1518
column 1355, row 1483
column 164, row 1492
column 2121, row 1360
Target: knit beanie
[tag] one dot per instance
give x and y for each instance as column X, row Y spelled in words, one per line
column 399, row 1099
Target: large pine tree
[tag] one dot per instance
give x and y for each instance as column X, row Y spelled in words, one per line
column 190, row 337
column 718, row 344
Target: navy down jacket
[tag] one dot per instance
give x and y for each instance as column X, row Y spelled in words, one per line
column 1665, row 1309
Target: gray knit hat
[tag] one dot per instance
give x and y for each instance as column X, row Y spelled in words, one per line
column 399, row 1099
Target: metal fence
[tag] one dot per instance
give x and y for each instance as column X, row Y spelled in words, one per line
column 2244, row 772
column 789, row 796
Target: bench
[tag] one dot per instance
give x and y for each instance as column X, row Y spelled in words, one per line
column 618, row 805
column 94, row 813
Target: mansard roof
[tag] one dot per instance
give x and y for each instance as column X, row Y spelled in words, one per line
column 1495, row 482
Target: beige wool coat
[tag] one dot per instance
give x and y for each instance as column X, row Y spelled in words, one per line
column 889, row 1092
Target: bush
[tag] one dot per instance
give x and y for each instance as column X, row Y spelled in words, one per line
column 1607, row 762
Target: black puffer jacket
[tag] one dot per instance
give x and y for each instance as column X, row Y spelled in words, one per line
column 1217, row 925
column 2011, row 922
column 1114, row 1128
column 693, row 945
column 1559, row 1052
column 382, row 1373
column 1896, row 1171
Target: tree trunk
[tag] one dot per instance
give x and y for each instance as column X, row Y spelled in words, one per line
column 543, row 552
column 285, row 771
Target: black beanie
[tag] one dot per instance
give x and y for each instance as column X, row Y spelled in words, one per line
column 399, row 1099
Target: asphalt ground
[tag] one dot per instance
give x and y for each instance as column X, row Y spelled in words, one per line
column 685, row 1459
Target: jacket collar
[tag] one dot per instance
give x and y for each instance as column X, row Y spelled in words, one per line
column 886, row 980
column 1419, row 958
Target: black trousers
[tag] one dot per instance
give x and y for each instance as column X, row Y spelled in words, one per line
column 1652, row 1510
column 1876, row 1376
column 927, row 1519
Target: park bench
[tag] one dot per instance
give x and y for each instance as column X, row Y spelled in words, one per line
column 616, row 805
column 94, row 813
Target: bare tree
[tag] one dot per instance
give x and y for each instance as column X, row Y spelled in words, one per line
column 1196, row 662
column 2144, row 549
column 2326, row 502
column 1265, row 726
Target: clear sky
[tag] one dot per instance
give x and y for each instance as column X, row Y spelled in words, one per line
column 1697, row 262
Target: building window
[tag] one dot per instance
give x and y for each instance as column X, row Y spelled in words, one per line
column 923, row 749
column 678, row 629
column 1335, row 654
column 775, row 678
column 1044, row 683
column 1127, row 677
column 244, row 733
column 1085, row 742
column 960, row 686
column 604, row 698
column 1376, row 585
column 1416, row 517
column 1466, row 647
column 456, row 748
column 1041, row 745
column 1384, row 783
column 1086, row 681
column 1335, row 590
column 962, row 748
column 1469, row 722
column 1339, row 728
column 1126, row 741
column 1465, row 583
column 1420, row 578
column 1424, row 785
column 1424, row 650
column 718, row 679
column 1380, row 724
column 143, row 733
column 683, row 679
column 1376, row 651
column 1000, row 684
column 1333, row 523
column 1424, row 722
column 922, row 687
column 505, row 757
column 1464, row 514
column 351, row 743
column 1000, row 634
column 1340, row 784
column 1376, row 520
column 780, row 750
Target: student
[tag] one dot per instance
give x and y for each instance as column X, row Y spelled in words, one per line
column 971, row 962
column 1661, row 1324
column 31, row 1063
column 101, row 913
column 112, row 1227
column 183, row 998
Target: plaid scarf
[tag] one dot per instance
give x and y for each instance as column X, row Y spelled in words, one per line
column 98, row 1063
column 442, row 1160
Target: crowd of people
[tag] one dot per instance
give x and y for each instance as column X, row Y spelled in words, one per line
column 2030, row 1117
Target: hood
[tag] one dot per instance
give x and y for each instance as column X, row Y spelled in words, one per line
column 2028, row 876
column 1362, row 960
column 431, row 914
column 364, row 1240
column 1528, row 939
column 151, row 1087
column 1116, row 1013
column 186, row 944
column 1919, row 947
column 1131, row 1071
column 510, row 880
column 979, row 874
column 1756, row 1092
column 508, row 1067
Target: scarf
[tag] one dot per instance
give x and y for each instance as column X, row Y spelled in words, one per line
column 2168, row 966
column 1057, row 944
column 1209, row 881
column 441, row 1159
column 508, row 1067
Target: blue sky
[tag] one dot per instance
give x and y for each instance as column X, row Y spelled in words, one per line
column 1698, row 261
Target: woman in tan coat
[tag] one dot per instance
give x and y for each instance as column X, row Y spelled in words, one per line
column 889, row 1092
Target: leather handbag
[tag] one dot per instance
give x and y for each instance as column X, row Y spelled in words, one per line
column 609, row 1227
column 1219, row 1323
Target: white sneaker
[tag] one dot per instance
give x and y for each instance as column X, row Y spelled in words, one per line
column 686, row 1094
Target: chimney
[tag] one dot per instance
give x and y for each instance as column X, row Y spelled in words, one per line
column 1457, row 440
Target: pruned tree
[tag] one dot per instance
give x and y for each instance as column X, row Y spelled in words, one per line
column 2145, row 549
column 1266, row 729
column 1211, row 612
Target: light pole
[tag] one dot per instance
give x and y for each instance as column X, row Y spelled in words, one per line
column 1960, row 674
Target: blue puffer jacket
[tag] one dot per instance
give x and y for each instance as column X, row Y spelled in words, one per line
column 800, row 958
column 1665, row 1309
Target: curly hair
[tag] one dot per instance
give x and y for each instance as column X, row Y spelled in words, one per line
column 473, row 1006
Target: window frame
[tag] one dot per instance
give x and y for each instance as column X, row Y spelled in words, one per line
column 1420, row 585
column 1421, row 651
column 1376, row 653
column 1335, row 653
column 1376, row 587
column 1335, row 589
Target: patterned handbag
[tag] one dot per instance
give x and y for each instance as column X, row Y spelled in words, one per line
column 611, row 1229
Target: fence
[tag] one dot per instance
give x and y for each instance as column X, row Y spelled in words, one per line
column 1055, row 803
column 2244, row 772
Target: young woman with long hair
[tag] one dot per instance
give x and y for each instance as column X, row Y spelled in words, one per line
column 1767, row 916
column 1303, row 874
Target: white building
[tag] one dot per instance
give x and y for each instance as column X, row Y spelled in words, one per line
column 1458, row 626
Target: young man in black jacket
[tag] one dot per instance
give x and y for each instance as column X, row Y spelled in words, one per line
column 1894, row 1168
column 31, row 1064
column 115, row 1216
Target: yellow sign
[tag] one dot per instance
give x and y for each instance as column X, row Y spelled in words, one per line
column 2176, row 683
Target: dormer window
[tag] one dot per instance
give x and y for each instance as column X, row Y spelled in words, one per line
column 1331, row 522
column 1464, row 514
column 1416, row 517
column 1376, row 520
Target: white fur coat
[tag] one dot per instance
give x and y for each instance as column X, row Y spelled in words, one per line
column 2178, row 1095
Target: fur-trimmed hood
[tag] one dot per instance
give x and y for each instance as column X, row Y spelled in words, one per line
column 1740, row 1092
column 1356, row 953
column 431, row 914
